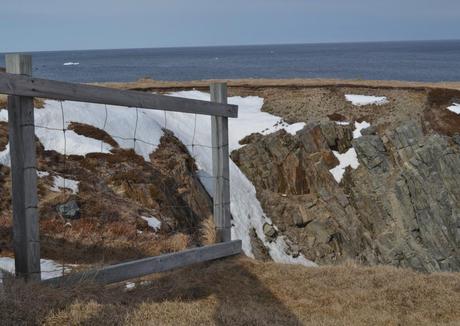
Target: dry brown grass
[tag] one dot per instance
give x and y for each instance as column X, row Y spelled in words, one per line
column 208, row 231
column 92, row 132
column 38, row 102
column 149, row 84
column 240, row 291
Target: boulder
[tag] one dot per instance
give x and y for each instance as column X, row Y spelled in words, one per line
column 69, row 210
column 270, row 231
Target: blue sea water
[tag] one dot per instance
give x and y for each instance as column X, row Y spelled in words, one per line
column 412, row 61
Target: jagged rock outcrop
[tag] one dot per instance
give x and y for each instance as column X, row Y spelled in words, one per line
column 296, row 189
column 400, row 206
column 412, row 197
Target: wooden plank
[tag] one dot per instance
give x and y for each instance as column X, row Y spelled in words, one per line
column 34, row 87
column 220, row 158
column 146, row 266
column 26, row 241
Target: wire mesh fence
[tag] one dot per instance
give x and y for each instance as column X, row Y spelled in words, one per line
column 68, row 134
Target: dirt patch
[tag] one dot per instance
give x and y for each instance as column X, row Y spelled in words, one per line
column 436, row 115
column 442, row 121
column 443, row 97
column 315, row 104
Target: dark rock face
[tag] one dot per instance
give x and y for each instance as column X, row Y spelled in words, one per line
column 296, row 189
column 414, row 203
column 400, row 206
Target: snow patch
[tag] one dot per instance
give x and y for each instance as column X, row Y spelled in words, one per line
column 246, row 209
column 118, row 122
column 130, row 286
column 342, row 123
column 454, row 108
column 63, row 183
column 153, row 222
column 5, row 158
column 3, row 115
column 42, row 174
column 361, row 100
column 49, row 268
column 358, row 127
column 349, row 158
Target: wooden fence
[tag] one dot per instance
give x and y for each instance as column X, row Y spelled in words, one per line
column 21, row 88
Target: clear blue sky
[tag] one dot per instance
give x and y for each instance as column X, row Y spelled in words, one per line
column 30, row 25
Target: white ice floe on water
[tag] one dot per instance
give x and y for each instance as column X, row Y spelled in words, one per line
column 350, row 157
column 63, row 183
column 71, row 63
column 153, row 222
column 49, row 268
column 454, row 108
column 361, row 100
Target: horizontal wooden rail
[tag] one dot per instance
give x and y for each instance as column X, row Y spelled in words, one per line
column 146, row 266
column 34, row 87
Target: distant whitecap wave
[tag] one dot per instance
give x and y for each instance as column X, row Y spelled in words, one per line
column 71, row 63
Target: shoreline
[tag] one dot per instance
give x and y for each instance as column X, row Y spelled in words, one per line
column 148, row 84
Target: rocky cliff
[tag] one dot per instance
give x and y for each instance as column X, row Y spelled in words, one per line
column 399, row 207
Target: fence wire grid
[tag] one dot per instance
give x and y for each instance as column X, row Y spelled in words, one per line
column 63, row 267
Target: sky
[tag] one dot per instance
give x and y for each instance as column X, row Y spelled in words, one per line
column 31, row 25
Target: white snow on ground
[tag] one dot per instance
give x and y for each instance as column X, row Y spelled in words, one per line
column 42, row 174
column 63, row 183
column 130, row 286
column 246, row 210
column 292, row 129
column 361, row 100
column 119, row 122
column 49, row 268
column 358, row 127
column 71, row 63
column 3, row 115
column 342, row 123
column 193, row 131
column 5, row 158
column 350, row 157
column 454, row 108
column 153, row 222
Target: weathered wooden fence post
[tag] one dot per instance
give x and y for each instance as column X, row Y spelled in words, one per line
column 26, row 239
column 221, row 173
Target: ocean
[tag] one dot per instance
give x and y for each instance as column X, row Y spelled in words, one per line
column 429, row 61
